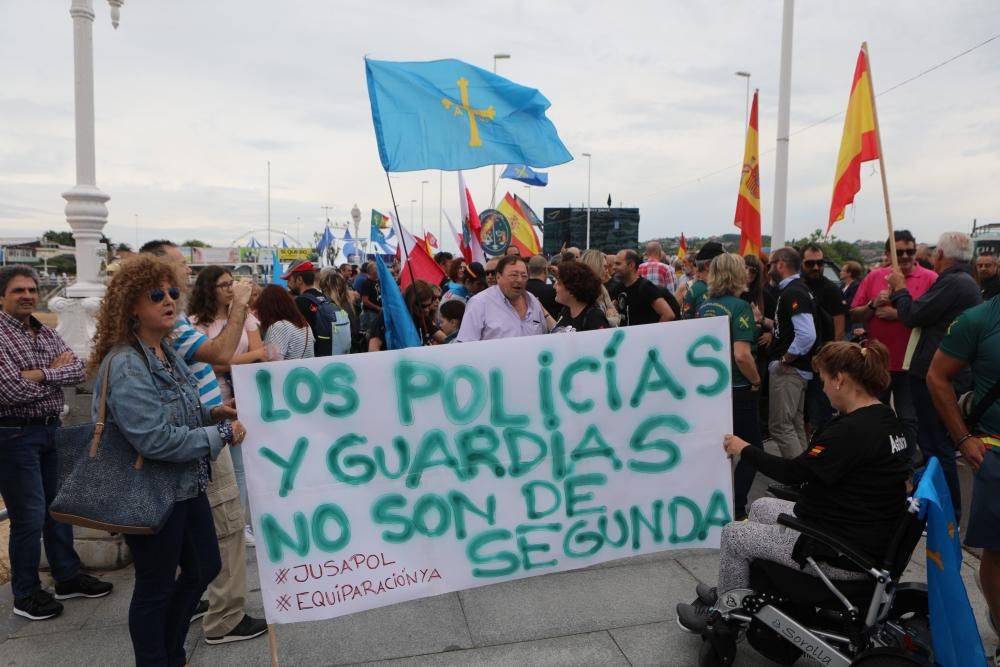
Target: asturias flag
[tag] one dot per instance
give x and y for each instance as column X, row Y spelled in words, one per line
column 400, row 332
column 953, row 626
column 525, row 174
column 522, row 234
column 748, row 199
column 859, row 143
column 447, row 114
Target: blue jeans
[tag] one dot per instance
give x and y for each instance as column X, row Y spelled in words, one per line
column 933, row 438
column 746, row 425
column 163, row 601
column 28, row 484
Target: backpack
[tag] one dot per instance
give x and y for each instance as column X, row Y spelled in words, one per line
column 332, row 327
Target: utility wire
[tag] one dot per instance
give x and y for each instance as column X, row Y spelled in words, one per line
column 888, row 90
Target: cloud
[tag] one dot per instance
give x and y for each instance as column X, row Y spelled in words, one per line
column 193, row 99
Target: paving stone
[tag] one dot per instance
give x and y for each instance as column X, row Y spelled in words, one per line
column 83, row 648
column 595, row 648
column 574, row 602
column 420, row 627
column 666, row 645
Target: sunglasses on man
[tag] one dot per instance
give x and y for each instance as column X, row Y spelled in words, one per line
column 157, row 294
column 813, row 263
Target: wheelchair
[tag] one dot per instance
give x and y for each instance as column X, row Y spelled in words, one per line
column 788, row 613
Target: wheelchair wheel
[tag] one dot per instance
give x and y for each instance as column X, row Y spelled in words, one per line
column 890, row 657
column 713, row 655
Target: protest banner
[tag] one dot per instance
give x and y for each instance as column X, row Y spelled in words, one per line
column 380, row 478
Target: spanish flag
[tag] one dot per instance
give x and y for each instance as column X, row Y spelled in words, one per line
column 522, row 234
column 682, row 251
column 860, row 141
column 748, row 199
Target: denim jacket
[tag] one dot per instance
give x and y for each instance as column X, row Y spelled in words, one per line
column 162, row 418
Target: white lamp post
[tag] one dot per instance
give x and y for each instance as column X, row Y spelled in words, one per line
column 86, row 212
column 746, row 75
column 412, row 202
column 493, row 197
column 588, row 156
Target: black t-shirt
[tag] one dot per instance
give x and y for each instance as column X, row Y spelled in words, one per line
column 635, row 303
column 307, row 307
column 614, row 287
column 830, row 302
column 545, row 293
column 855, row 471
column 589, row 318
column 370, row 289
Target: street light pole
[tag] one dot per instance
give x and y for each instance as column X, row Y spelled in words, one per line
column 588, row 156
column 412, row 202
column 746, row 106
column 493, row 181
column 423, row 229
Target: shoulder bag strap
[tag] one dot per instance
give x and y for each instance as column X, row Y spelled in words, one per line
column 102, row 412
column 982, row 406
column 305, row 337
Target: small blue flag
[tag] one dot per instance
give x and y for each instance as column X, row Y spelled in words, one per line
column 254, row 243
column 324, row 242
column 349, row 249
column 525, row 174
column 953, row 627
column 447, row 114
column 276, row 270
column 400, row 332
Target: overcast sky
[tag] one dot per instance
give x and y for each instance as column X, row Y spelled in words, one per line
column 193, row 98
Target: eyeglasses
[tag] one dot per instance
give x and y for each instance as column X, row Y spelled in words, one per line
column 752, row 269
column 224, row 285
column 427, row 305
column 515, row 276
column 811, row 263
column 906, row 252
column 491, row 273
column 157, row 294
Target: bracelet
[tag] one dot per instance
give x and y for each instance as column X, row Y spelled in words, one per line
column 225, row 431
column 963, row 439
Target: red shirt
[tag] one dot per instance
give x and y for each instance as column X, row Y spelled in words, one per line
column 892, row 333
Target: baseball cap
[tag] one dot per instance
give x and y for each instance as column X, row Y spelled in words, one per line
column 301, row 267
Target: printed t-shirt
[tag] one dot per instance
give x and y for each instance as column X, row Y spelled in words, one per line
column 975, row 339
column 741, row 326
column 696, row 295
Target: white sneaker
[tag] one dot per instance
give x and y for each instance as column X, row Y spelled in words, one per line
column 248, row 537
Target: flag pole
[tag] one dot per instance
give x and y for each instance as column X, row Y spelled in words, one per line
column 272, row 640
column 402, row 236
column 881, row 160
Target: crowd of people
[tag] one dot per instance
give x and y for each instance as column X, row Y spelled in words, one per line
column 854, row 383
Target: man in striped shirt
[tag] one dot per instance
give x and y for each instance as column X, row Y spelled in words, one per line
column 224, row 619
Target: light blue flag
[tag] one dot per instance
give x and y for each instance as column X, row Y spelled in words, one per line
column 349, row 248
column 324, row 241
column 953, row 627
column 276, row 270
column 525, row 174
column 400, row 331
column 284, row 243
column 447, row 114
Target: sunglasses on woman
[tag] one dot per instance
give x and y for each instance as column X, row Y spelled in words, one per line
column 157, row 294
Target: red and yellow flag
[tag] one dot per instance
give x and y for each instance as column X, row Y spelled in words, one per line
column 859, row 144
column 748, row 199
column 522, row 234
column 682, row 251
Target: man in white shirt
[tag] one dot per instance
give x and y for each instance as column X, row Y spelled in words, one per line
column 506, row 310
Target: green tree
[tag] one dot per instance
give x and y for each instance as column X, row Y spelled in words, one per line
column 62, row 238
column 195, row 243
column 835, row 249
column 124, row 247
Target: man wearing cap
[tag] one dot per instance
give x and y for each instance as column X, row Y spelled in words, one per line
column 695, row 292
column 301, row 279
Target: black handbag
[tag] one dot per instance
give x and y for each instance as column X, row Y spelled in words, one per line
column 106, row 484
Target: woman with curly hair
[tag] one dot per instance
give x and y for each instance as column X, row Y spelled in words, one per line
column 152, row 399
column 577, row 290
column 284, row 328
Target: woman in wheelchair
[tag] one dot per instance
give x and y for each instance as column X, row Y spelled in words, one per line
column 853, row 478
